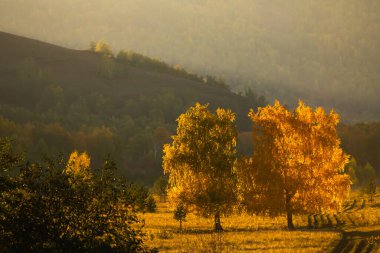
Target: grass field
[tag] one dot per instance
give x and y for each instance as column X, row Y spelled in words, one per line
column 353, row 230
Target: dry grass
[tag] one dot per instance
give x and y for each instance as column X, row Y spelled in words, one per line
column 246, row 233
column 248, row 241
column 243, row 233
column 359, row 216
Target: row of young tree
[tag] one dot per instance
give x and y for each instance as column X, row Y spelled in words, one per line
column 297, row 165
column 59, row 206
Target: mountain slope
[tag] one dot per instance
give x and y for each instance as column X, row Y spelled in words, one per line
column 325, row 53
column 54, row 100
column 79, row 71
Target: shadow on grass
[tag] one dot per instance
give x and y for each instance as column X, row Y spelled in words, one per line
column 195, row 232
column 297, row 229
column 253, row 230
column 359, row 241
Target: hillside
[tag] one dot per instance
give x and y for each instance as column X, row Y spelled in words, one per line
column 54, row 100
column 78, row 71
column 324, row 53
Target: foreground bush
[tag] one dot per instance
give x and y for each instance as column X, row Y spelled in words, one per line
column 58, row 207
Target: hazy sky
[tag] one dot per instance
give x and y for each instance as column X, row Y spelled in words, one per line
column 325, row 52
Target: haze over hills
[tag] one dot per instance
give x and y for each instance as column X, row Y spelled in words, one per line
column 54, row 100
column 79, row 70
column 326, row 53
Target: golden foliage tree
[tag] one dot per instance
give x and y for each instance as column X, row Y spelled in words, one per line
column 297, row 165
column 102, row 48
column 200, row 160
column 78, row 167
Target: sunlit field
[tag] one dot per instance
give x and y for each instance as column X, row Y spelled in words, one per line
column 242, row 233
column 247, row 233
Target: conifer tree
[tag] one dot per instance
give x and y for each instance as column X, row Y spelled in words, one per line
column 370, row 190
column 180, row 214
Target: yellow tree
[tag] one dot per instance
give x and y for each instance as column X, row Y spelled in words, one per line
column 102, row 48
column 78, row 167
column 297, row 165
column 200, row 160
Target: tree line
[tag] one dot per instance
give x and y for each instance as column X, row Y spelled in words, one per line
column 110, row 69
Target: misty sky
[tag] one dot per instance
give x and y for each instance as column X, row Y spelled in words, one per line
column 324, row 52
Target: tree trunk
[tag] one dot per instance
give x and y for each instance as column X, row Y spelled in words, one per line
column 180, row 225
column 289, row 213
column 218, row 225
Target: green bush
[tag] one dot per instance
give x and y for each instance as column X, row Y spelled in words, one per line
column 43, row 210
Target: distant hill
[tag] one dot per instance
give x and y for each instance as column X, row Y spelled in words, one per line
column 78, row 71
column 324, row 52
column 54, row 99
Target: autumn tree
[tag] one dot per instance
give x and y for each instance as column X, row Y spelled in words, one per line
column 101, row 48
column 200, row 160
column 78, row 167
column 297, row 165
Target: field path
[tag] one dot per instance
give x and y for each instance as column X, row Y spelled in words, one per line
column 359, row 241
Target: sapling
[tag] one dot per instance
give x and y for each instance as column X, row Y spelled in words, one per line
column 180, row 214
